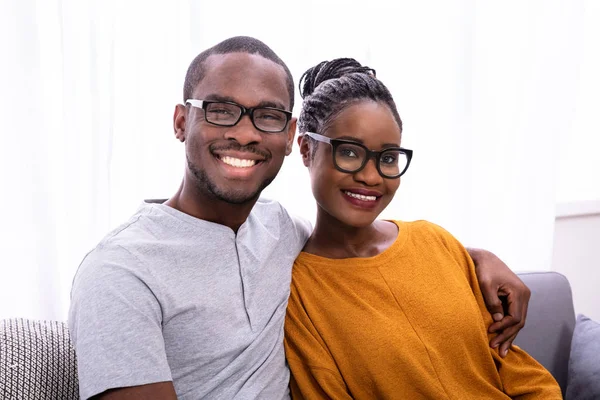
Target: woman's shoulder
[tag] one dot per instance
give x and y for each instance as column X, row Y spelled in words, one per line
column 426, row 232
column 422, row 227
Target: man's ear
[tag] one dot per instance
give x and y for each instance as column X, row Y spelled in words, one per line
column 291, row 132
column 179, row 121
column 304, row 144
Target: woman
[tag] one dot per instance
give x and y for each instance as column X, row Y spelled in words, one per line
column 383, row 309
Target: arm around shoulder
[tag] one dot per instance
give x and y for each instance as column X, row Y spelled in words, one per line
column 500, row 285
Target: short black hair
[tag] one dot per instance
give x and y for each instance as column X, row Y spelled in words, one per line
column 331, row 86
column 237, row 44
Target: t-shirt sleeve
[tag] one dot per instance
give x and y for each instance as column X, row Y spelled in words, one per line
column 301, row 226
column 303, row 229
column 521, row 375
column 115, row 323
column 314, row 374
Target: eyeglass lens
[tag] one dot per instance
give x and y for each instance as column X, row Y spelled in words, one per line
column 351, row 158
column 267, row 119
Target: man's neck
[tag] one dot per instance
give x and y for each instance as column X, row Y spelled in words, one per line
column 193, row 202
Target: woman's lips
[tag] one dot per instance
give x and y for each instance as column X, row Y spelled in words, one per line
column 362, row 198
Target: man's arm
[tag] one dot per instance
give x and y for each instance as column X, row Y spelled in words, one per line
column 153, row 391
column 115, row 321
column 505, row 295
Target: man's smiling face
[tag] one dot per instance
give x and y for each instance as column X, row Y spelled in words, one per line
column 234, row 164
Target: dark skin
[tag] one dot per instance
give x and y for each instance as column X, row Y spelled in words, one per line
column 225, row 194
column 153, row 391
column 232, row 77
column 514, row 292
column 248, row 80
column 342, row 231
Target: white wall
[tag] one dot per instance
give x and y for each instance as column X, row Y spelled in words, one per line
column 494, row 95
column 577, row 253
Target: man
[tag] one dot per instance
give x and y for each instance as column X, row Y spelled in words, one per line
column 187, row 299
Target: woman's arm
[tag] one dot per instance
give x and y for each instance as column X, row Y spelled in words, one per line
column 506, row 297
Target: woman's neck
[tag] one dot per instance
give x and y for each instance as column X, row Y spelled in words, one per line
column 332, row 238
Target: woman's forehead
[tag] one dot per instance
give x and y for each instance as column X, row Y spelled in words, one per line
column 369, row 122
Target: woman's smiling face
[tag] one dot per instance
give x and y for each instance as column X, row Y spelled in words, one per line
column 355, row 199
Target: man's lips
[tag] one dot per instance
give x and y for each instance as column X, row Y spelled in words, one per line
column 240, row 155
column 238, row 162
column 239, row 159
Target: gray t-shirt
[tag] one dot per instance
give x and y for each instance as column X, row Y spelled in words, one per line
column 167, row 296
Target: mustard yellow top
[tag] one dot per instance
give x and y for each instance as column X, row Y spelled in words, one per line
column 409, row 323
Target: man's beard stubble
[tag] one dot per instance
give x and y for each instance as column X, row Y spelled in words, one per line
column 204, row 184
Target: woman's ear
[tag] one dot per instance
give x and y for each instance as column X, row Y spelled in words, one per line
column 304, row 144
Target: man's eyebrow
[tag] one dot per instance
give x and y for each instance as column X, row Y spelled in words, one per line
column 271, row 104
column 264, row 103
column 217, row 97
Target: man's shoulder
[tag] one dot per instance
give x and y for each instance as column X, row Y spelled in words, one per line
column 135, row 231
column 121, row 248
column 268, row 208
column 271, row 210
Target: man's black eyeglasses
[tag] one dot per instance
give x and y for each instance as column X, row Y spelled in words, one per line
column 223, row 113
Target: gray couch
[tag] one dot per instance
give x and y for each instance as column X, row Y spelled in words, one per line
column 37, row 360
column 550, row 323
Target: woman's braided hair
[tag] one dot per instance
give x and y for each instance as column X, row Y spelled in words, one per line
column 331, row 86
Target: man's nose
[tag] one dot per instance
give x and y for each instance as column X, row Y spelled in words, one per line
column 244, row 132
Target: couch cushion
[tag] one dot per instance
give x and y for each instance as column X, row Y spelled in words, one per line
column 550, row 322
column 584, row 364
column 37, row 361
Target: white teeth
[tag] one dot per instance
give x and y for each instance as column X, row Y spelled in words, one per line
column 360, row 196
column 237, row 162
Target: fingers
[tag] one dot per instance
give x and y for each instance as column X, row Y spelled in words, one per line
column 504, row 341
column 517, row 301
column 512, row 323
column 492, row 301
column 525, row 305
column 503, row 350
column 506, row 334
column 508, row 322
column 512, row 316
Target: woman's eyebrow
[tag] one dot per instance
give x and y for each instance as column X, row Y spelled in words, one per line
column 350, row 138
column 353, row 139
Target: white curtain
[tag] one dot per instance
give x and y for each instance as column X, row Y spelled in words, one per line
column 488, row 92
column 87, row 92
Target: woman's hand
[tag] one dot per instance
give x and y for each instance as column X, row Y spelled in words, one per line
column 505, row 295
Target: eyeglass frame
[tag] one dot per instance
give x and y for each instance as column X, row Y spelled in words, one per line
column 334, row 143
column 245, row 111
